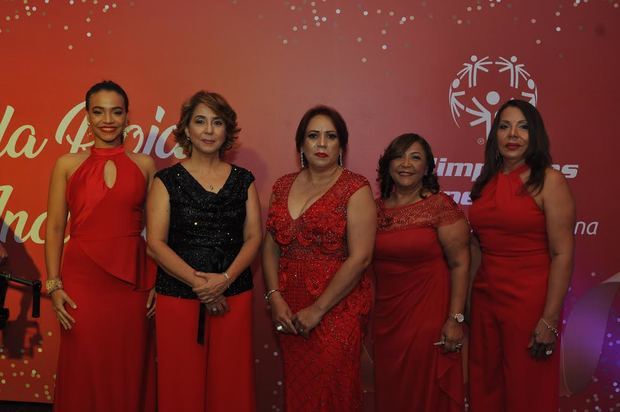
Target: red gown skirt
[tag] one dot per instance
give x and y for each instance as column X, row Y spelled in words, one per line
column 411, row 306
column 321, row 373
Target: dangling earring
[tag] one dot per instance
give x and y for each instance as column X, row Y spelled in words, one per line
column 301, row 159
column 188, row 146
column 125, row 133
column 340, row 161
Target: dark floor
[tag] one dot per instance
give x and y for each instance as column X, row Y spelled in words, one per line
column 24, row 407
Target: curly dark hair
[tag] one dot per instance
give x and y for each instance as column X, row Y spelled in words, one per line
column 220, row 106
column 396, row 149
column 537, row 156
column 107, row 85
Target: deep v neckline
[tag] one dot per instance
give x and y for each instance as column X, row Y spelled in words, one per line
column 204, row 189
column 288, row 194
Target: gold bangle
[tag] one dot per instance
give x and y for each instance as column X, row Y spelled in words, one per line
column 52, row 285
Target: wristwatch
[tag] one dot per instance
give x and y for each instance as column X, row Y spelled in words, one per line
column 458, row 317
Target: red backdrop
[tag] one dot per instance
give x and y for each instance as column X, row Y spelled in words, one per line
column 440, row 69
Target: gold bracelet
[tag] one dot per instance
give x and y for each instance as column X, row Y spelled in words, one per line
column 555, row 331
column 52, row 285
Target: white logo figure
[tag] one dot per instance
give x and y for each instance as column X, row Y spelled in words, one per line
column 485, row 88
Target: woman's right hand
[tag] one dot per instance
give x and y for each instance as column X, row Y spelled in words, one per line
column 59, row 299
column 281, row 314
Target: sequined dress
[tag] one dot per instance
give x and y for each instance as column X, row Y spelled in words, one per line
column 321, row 373
column 106, row 361
column 411, row 306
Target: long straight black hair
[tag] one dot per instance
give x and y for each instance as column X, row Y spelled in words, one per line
column 537, row 155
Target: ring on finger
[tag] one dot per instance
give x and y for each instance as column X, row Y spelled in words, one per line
column 280, row 328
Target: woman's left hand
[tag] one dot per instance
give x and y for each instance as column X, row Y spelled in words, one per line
column 542, row 341
column 306, row 319
column 215, row 285
column 452, row 336
column 150, row 304
column 219, row 307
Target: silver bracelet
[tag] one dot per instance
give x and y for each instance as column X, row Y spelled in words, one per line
column 555, row 331
column 269, row 293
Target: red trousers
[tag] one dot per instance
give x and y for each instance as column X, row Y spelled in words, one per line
column 505, row 310
column 217, row 376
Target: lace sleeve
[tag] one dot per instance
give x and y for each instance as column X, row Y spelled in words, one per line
column 447, row 211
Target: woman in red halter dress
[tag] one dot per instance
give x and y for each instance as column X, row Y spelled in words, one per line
column 321, row 229
column 101, row 292
column 421, row 265
column 522, row 216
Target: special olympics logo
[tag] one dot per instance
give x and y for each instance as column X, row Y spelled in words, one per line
column 482, row 84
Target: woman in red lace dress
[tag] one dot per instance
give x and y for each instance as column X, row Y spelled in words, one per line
column 422, row 269
column 523, row 216
column 100, row 293
column 321, row 230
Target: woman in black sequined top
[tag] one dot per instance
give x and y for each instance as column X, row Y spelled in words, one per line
column 204, row 230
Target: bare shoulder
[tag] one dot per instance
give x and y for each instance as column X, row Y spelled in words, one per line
column 141, row 158
column 554, row 179
column 69, row 162
column 556, row 192
column 145, row 162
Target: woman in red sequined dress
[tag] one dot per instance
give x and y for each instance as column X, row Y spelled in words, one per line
column 320, row 237
column 106, row 360
column 522, row 216
column 421, row 265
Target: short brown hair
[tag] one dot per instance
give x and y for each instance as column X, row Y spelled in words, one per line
column 220, row 106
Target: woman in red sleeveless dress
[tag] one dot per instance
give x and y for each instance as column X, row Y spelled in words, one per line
column 421, row 265
column 101, row 292
column 320, row 236
column 522, row 216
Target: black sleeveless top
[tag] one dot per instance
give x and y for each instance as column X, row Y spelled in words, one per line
column 206, row 228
